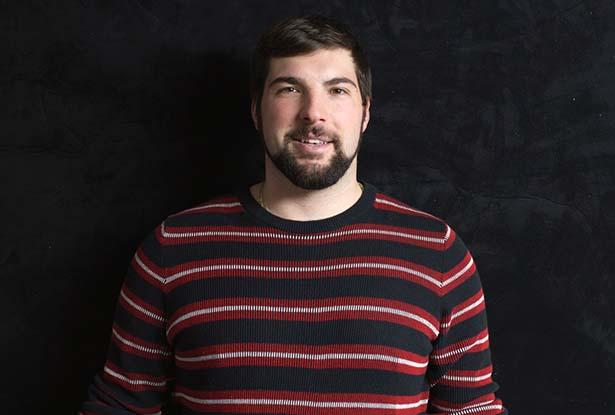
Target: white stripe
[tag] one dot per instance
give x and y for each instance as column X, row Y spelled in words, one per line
column 459, row 273
column 477, row 410
column 388, row 202
column 306, row 356
column 334, row 267
column 139, row 347
column 462, row 349
column 141, row 309
column 213, row 205
column 310, row 310
column 133, row 381
column 444, row 408
column 284, row 236
column 420, row 212
column 149, row 271
column 464, row 310
column 311, row 404
column 447, row 235
column 467, row 378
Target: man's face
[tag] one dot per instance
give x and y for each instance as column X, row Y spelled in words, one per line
column 311, row 117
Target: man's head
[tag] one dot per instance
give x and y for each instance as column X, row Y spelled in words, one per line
column 311, row 93
column 300, row 36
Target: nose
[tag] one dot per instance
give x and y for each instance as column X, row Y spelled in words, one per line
column 314, row 108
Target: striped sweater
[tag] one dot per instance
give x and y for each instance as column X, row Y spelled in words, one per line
column 228, row 309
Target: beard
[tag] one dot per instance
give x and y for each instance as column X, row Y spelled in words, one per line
column 312, row 176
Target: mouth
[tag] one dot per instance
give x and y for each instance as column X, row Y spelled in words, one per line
column 312, row 146
column 312, row 139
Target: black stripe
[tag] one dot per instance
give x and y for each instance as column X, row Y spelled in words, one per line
column 302, row 380
column 309, row 333
column 304, row 289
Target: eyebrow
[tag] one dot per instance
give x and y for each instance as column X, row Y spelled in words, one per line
column 294, row 81
column 340, row 80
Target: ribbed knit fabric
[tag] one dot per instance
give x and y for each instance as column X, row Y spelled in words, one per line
column 228, row 309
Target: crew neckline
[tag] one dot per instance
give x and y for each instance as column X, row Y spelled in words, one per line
column 346, row 217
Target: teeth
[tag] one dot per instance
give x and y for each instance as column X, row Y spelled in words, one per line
column 313, row 141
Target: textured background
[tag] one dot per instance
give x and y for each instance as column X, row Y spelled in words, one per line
column 497, row 116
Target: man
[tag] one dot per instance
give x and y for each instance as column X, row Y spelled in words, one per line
column 308, row 293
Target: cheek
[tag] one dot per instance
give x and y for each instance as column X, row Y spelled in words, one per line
column 350, row 121
column 278, row 116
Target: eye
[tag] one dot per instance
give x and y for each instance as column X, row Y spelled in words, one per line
column 287, row 90
column 339, row 91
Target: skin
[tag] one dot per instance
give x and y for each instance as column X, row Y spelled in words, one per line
column 318, row 90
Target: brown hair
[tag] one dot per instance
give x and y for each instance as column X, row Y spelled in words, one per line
column 301, row 35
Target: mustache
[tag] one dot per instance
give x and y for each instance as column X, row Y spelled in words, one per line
column 318, row 132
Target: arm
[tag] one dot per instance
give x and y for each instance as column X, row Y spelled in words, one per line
column 460, row 362
column 135, row 377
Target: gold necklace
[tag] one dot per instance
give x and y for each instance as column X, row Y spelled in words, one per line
column 261, row 199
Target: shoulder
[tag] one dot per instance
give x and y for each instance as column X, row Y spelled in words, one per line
column 395, row 212
column 216, row 211
column 455, row 263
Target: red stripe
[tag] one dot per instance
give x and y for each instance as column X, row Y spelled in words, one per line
column 133, row 376
column 488, row 400
column 149, row 264
column 302, row 316
column 486, row 409
column 223, row 210
column 468, row 373
column 461, row 278
column 468, row 314
column 308, row 303
column 139, row 342
column 137, row 313
column 354, row 363
column 456, row 405
column 271, row 235
column 459, row 345
column 412, row 212
column 300, row 396
column 366, row 270
column 203, row 207
column 136, row 409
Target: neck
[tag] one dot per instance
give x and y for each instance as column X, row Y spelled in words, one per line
column 282, row 198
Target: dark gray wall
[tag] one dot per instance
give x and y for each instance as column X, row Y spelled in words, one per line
column 497, row 116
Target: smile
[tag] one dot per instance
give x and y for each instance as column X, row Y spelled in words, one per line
column 311, row 146
column 312, row 141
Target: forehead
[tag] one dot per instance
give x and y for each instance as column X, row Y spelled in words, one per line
column 320, row 65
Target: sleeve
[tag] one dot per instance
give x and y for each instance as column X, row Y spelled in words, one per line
column 460, row 362
column 135, row 378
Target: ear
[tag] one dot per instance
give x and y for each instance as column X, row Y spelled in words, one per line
column 368, row 102
column 254, row 113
